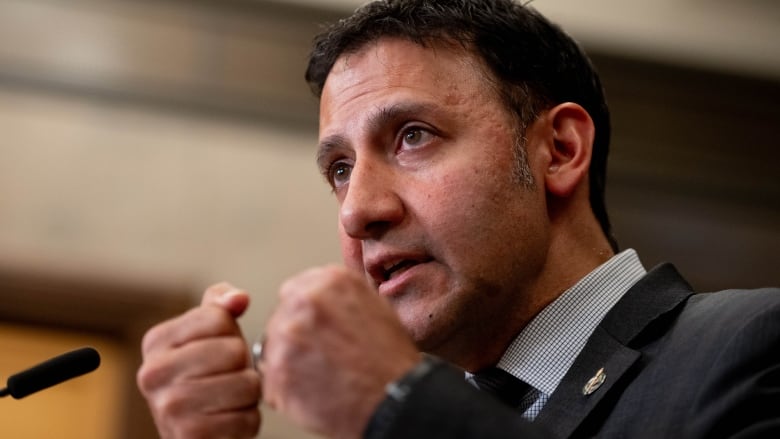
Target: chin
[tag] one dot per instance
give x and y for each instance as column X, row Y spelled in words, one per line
column 427, row 333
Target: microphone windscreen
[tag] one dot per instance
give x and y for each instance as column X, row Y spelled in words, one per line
column 54, row 371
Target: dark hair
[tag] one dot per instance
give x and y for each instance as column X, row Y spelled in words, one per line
column 534, row 63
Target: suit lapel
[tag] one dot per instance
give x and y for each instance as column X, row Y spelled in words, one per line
column 612, row 349
column 568, row 406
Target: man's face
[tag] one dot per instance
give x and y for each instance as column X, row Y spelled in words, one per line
column 422, row 158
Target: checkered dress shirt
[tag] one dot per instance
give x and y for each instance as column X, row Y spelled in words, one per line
column 543, row 352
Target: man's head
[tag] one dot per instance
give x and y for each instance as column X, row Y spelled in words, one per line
column 531, row 62
column 420, row 137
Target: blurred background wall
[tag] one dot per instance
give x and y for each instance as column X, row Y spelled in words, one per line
column 151, row 148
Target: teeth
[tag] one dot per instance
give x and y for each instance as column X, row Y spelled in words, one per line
column 390, row 265
column 392, row 269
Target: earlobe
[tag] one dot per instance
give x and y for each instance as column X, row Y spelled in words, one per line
column 570, row 149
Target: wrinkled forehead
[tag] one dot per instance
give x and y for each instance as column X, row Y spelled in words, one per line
column 395, row 66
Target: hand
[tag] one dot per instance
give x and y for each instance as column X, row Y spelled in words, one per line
column 196, row 374
column 332, row 346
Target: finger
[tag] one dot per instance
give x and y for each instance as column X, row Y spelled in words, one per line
column 197, row 323
column 211, row 356
column 236, row 424
column 210, row 395
column 224, row 295
column 287, row 348
column 315, row 279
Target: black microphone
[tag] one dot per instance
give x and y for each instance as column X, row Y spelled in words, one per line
column 50, row 372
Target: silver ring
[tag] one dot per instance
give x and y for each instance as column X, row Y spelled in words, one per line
column 257, row 352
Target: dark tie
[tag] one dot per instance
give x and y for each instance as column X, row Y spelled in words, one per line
column 502, row 385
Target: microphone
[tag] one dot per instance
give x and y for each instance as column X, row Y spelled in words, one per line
column 50, row 372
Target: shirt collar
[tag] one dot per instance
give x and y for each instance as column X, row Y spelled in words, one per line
column 545, row 349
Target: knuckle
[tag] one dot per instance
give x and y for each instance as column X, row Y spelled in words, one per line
column 288, row 287
column 334, row 275
column 143, row 379
column 253, row 385
column 212, row 321
column 235, row 352
column 289, row 331
column 172, row 403
column 149, row 377
column 151, row 339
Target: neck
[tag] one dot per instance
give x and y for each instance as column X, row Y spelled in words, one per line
column 577, row 247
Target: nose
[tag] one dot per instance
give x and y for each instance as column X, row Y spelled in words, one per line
column 371, row 205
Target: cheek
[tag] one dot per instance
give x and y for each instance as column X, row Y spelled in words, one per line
column 455, row 213
column 482, row 216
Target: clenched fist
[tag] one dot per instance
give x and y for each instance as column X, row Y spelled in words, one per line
column 196, row 375
column 332, row 345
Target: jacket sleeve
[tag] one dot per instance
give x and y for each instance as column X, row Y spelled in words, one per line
column 741, row 396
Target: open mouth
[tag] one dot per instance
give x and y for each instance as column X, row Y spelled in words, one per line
column 390, row 266
column 393, row 270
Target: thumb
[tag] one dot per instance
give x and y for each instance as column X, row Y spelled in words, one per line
column 224, row 295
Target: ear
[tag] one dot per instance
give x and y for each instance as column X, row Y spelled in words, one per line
column 571, row 148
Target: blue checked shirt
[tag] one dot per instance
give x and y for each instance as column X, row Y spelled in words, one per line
column 543, row 352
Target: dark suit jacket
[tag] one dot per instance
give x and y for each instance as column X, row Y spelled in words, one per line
column 677, row 365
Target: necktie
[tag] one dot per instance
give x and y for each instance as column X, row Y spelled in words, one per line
column 503, row 385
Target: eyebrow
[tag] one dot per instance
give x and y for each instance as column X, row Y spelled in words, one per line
column 325, row 148
column 377, row 121
column 401, row 110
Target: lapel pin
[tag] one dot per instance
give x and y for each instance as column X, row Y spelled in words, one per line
column 595, row 382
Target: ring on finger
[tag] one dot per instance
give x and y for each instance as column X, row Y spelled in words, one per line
column 257, row 351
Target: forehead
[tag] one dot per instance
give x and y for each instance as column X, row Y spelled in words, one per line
column 390, row 71
column 400, row 58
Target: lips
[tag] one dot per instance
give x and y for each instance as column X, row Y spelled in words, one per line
column 394, row 269
column 388, row 267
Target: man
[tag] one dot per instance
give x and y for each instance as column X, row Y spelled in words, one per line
column 466, row 144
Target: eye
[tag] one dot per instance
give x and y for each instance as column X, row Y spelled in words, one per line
column 414, row 137
column 338, row 174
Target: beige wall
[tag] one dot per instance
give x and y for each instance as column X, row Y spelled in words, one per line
column 90, row 186
column 96, row 189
